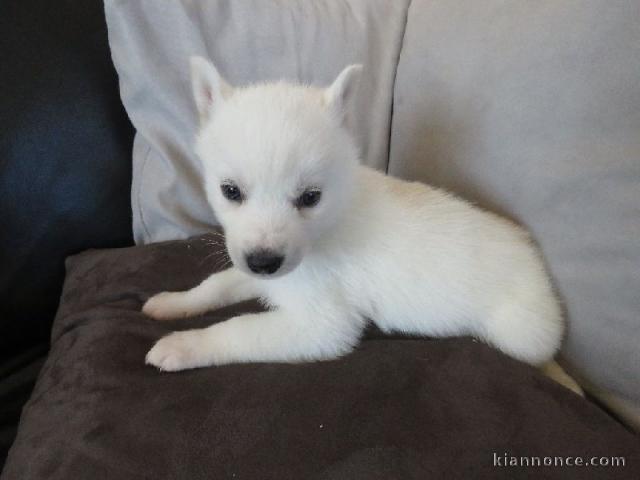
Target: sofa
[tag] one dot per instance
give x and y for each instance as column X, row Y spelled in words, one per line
column 66, row 174
column 529, row 109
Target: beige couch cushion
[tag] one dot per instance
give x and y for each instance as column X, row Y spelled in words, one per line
column 249, row 41
column 533, row 109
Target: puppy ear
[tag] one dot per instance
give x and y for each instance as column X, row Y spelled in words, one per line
column 341, row 92
column 209, row 88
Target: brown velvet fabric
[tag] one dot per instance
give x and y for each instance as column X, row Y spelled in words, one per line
column 396, row 408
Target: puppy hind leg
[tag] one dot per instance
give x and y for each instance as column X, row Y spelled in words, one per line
column 529, row 336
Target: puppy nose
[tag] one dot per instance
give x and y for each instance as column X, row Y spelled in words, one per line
column 264, row 261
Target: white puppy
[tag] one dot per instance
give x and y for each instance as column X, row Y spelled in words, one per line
column 328, row 243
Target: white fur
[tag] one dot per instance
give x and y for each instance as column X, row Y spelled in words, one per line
column 410, row 257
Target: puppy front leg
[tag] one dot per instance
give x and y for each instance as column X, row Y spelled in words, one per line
column 274, row 336
column 220, row 289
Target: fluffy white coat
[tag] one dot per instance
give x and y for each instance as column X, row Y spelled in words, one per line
column 409, row 257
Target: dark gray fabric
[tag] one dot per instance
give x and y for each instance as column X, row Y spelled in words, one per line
column 394, row 409
column 65, row 157
column 17, row 379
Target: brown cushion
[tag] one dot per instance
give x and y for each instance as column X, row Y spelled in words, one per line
column 396, row 408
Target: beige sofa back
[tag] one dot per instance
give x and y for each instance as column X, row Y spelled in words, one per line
column 532, row 109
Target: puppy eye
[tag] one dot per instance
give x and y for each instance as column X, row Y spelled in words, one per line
column 308, row 199
column 231, row 192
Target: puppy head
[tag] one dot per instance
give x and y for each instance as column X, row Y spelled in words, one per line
column 278, row 164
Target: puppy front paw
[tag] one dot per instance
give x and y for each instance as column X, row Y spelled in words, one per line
column 167, row 306
column 179, row 351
